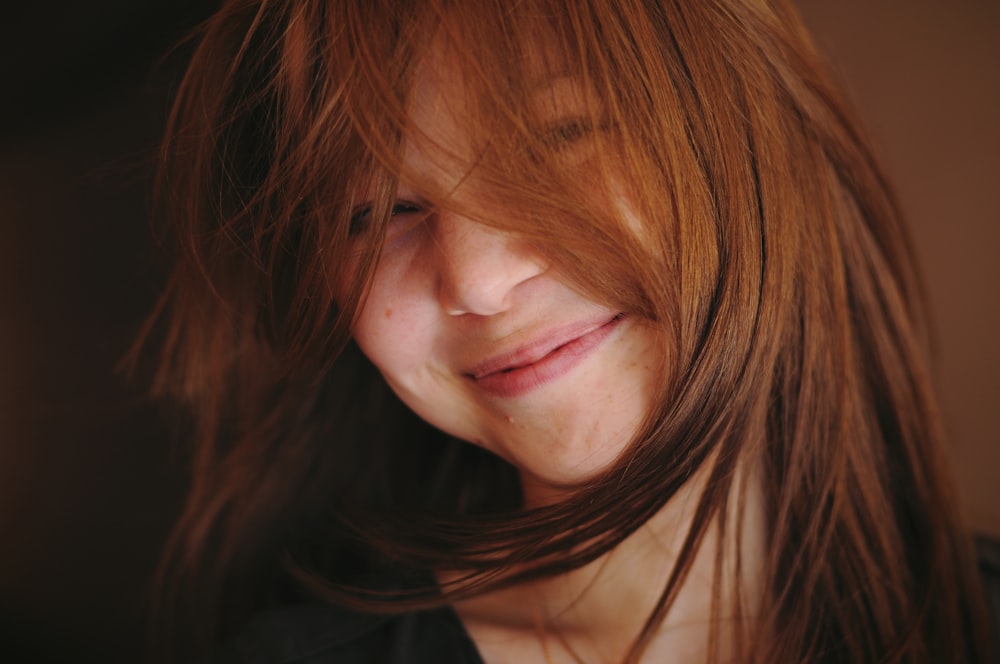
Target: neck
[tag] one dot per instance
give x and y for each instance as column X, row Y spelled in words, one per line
column 596, row 612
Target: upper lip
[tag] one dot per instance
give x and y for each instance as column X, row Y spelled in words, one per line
column 538, row 347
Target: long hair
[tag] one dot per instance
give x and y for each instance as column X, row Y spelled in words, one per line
column 769, row 256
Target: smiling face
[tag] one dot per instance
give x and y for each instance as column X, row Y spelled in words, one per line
column 478, row 333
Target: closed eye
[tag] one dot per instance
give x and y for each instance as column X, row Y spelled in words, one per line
column 567, row 132
column 571, row 142
column 361, row 217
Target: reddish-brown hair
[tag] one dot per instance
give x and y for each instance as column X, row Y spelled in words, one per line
column 771, row 258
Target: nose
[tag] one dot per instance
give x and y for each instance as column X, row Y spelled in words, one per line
column 479, row 267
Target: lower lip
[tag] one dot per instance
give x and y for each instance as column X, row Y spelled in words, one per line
column 519, row 381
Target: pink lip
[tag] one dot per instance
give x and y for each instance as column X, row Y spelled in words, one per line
column 538, row 362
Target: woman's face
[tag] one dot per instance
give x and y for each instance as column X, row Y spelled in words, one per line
column 481, row 337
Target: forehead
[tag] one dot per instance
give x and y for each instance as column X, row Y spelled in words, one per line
column 440, row 97
column 438, row 133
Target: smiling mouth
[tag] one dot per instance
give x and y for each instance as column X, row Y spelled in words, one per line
column 536, row 364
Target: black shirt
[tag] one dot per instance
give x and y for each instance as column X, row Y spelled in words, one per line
column 320, row 634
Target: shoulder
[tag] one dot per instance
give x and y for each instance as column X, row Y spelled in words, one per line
column 321, row 634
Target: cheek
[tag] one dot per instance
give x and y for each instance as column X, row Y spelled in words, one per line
column 378, row 333
column 392, row 330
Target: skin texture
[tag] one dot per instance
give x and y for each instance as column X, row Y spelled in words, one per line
column 456, row 302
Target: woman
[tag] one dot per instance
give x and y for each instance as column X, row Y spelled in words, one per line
column 549, row 331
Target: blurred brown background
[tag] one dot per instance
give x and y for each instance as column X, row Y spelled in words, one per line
column 925, row 76
column 87, row 485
